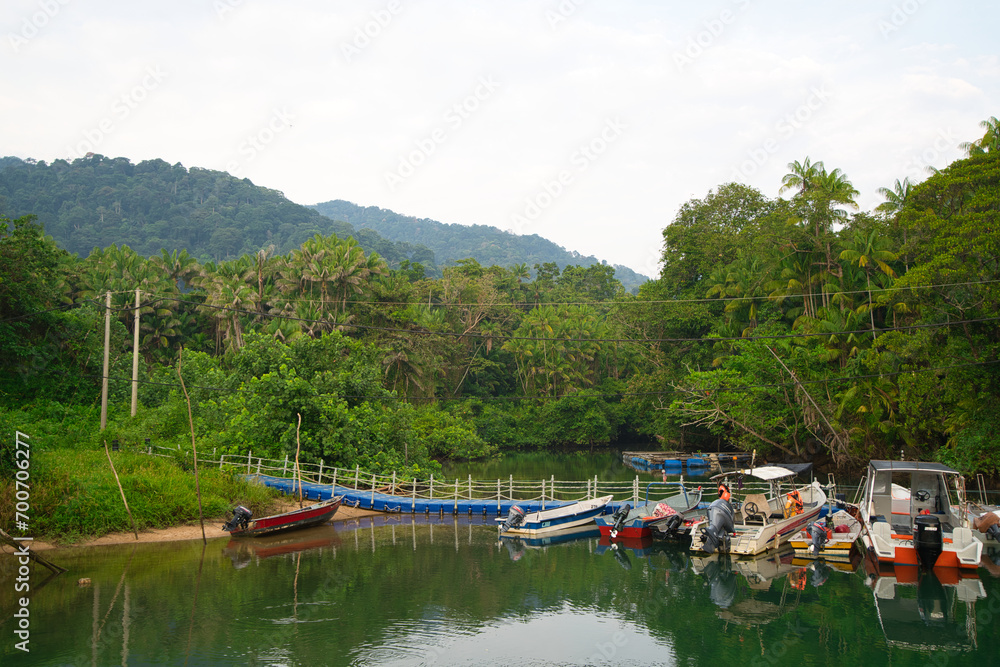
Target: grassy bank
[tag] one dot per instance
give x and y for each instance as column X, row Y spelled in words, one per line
column 74, row 494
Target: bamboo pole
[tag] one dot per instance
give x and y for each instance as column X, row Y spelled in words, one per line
column 120, row 489
column 194, row 450
column 17, row 544
column 298, row 471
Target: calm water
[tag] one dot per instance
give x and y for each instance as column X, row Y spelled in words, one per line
column 402, row 591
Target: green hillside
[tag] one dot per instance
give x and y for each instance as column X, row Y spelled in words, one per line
column 95, row 201
column 451, row 242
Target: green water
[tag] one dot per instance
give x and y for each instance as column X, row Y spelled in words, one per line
column 402, row 591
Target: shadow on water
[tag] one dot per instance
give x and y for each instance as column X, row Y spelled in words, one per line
column 419, row 590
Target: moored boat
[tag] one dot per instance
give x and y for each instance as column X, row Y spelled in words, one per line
column 928, row 527
column 831, row 539
column 558, row 518
column 667, row 514
column 762, row 521
column 242, row 524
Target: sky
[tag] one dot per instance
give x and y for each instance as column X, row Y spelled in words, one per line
column 587, row 122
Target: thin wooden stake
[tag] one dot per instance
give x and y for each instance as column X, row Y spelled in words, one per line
column 298, row 472
column 136, row 532
column 197, row 484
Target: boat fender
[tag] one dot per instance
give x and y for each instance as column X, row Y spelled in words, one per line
column 715, row 536
column 514, row 519
column 618, row 518
column 819, row 534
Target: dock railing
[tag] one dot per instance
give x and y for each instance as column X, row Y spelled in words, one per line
column 437, row 487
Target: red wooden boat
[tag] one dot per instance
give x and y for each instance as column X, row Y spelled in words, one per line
column 243, row 523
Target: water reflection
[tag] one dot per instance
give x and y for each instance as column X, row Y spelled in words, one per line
column 401, row 589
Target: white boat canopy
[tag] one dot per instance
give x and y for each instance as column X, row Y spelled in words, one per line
column 766, row 473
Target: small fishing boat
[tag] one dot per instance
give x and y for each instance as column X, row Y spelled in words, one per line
column 762, row 521
column 832, row 539
column 927, row 527
column 244, row 525
column 558, row 518
column 668, row 515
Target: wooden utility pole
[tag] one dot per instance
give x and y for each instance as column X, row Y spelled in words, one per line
column 298, row 472
column 107, row 357
column 135, row 357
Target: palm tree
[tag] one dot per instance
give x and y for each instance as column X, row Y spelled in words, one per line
column 895, row 199
column 802, row 176
column 865, row 251
column 988, row 143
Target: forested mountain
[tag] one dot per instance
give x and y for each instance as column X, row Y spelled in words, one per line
column 451, row 242
column 96, row 201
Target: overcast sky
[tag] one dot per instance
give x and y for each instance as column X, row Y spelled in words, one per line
column 588, row 122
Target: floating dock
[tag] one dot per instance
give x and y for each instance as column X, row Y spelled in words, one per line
column 693, row 462
column 384, row 502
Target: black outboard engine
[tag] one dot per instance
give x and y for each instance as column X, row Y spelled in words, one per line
column 670, row 527
column 927, row 539
column 618, row 518
column 819, row 536
column 715, row 536
column 514, row 519
column 241, row 519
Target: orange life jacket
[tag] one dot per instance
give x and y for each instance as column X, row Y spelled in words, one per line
column 793, row 505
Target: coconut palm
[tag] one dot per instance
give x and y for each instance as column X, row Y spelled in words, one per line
column 988, row 143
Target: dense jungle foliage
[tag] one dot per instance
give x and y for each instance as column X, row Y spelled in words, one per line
column 797, row 326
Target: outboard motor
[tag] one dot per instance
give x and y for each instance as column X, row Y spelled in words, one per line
column 715, row 536
column 618, row 518
column 514, row 519
column 927, row 539
column 671, row 526
column 241, row 519
column 819, row 535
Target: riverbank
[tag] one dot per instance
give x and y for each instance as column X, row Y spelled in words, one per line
column 186, row 531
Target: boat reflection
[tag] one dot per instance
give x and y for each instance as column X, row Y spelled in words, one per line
column 243, row 551
column 926, row 610
column 518, row 545
column 756, row 591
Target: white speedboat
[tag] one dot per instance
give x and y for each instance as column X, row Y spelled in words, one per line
column 928, row 527
column 558, row 518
